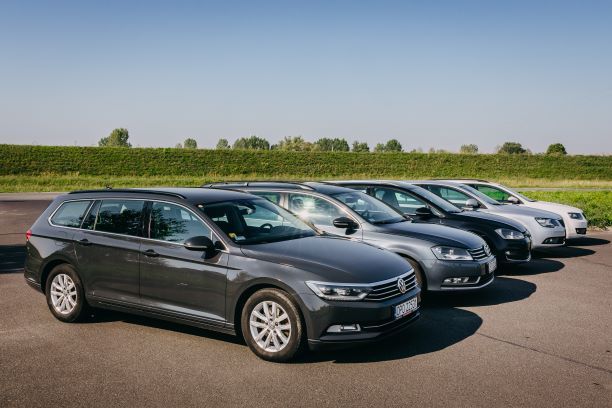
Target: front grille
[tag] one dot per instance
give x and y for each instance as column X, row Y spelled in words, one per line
column 391, row 289
column 480, row 253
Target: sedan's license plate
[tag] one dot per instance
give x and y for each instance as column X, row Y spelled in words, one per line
column 406, row 308
column 492, row 265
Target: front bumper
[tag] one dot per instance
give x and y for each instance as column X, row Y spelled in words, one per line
column 513, row 250
column 375, row 318
column 547, row 237
column 575, row 228
column 437, row 270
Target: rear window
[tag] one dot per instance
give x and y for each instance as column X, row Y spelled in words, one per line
column 70, row 214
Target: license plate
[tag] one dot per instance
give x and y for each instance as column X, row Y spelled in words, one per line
column 406, row 308
column 492, row 265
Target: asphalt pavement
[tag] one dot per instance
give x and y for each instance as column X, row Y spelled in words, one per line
column 540, row 335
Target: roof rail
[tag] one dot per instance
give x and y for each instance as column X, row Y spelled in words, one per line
column 262, row 183
column 130, row 190
column 466, row 178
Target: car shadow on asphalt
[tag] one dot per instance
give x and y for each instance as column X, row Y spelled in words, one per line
column 562, row 252
column 587, row 241
column 12, row 258
column 534, row 267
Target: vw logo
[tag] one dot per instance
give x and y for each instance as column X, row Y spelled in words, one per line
column 401, row 285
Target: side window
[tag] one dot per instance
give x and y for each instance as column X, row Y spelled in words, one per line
column 314, row 209
column 399, row 200
column 274, row 197
column 173, row 223
column 70, row 214
column 494, row 193
column 90, row 219
column 455, row 197
column 256, row 217
column 120, row 216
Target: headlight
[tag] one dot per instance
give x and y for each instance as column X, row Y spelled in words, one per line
column 575, row 216
column 546, row 222
column 451, row 253
column 509, row 234
column 332, row 291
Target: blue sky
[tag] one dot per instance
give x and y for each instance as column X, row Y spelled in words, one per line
column 429, row 73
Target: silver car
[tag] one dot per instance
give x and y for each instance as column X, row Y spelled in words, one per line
column 444, row 258
column 547, row 229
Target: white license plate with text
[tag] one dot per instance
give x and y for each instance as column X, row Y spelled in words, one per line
column 406, row 308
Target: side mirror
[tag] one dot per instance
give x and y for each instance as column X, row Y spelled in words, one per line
column 200, row 243
column 471, row 203
column 423, row 212
column 513, row 200
column 345, row 223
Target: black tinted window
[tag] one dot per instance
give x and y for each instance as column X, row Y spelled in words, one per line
column 70, row 214
column 170, row 222
column 120, row 216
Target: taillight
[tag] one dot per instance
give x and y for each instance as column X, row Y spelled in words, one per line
column 28, row 235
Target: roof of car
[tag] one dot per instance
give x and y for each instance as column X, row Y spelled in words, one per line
column 397, row 183
column 323, row 188
column 195, row 195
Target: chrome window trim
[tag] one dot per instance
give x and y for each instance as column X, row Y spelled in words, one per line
column 93, row 200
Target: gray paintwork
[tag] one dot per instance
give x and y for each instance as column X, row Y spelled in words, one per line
column 208, row 290
column 411, row 240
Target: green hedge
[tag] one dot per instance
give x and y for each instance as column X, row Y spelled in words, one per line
column 32, row 160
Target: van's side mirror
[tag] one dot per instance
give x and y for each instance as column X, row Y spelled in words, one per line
column 345, row 223
column 423, row 212
column 471, row 203
column 200, row 243
column 513, row 200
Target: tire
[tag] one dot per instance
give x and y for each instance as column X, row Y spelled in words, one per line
column 277, row 341
column 420, row 277
column 65, row 294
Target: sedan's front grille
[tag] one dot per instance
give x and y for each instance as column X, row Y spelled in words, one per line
column 480, row 253
column 391, row 289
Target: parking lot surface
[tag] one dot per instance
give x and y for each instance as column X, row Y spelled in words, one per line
column 540, row 335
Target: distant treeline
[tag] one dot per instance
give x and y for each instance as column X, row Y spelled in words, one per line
column 33, row 160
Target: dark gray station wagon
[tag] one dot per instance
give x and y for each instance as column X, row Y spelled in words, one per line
column 223, row 260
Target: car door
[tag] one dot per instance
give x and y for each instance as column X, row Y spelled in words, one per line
column 321, row 212
column 108, row 249
column 175, row 279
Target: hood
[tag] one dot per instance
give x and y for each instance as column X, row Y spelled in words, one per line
column 554, row 207
column 332, row 259
column 494, row 220
column 436, row 234
column 511, row 209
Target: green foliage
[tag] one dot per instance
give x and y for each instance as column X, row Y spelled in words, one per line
column 117, row 138
column 190, row 143
column 332, row 145
column 511, row 148
column 33, row 160
column 468, row 149
column 223, row 144
column 294, row 144
column 556, row 148
column 392, row 145
column 252, row 143
column 360, row 146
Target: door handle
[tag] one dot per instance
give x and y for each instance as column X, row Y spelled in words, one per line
column 150, row 252
column 84, row 242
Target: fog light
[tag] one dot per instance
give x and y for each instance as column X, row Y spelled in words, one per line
column 456, row 281
column 344, row 328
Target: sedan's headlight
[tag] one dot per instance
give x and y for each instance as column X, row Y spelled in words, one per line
column 546, row 222
column 506, row 233
column 332, row 291
column 451, row 253
column 575, row 216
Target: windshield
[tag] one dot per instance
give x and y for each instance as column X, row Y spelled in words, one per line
column 369, row 208
column 434, row 199
column 519, row 195
column 256, row 221
column 481, row 196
